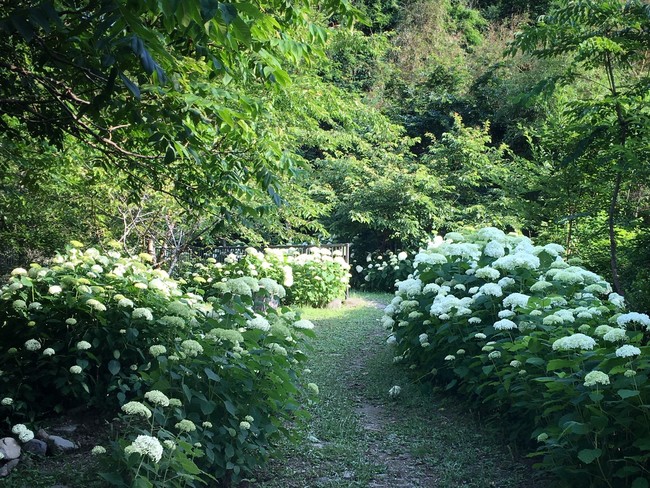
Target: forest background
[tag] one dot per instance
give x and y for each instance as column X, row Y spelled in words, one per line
column 379, row 123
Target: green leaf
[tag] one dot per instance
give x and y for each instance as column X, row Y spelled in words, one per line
column 207, row 407
column 230, row 451
column 554, row 364
column 133, row 88
column 588, row 456
column 639, row 483
column 535, row 361
column 211, row 375
column 228, row 12
column 141, row 482
column 114, row 366
column 643, row 443
column 623, row 393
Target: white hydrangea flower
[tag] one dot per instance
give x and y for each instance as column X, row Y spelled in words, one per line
column 516, row 300
column 573, row 342
column 186, row 425
column 157, row 398
column 494, row 249
column 395, row 391
column 76, row 369
column 615, row 335
column 54, row 290
column 192, row 347
column 491, row 289
column 98, row 450
column 541, row 286
column 517, row 260
column 142, row 313
column 633, row 317
column 303, row 324
column 136, row 408
column 494, row 355
column 125, row 303
column 491, row 234
column 487, row 273
column 426, row 257
column 617, row 300
column 505, row 324
column 32, row 345
column 474, row 320
column 146, row 445
column 83, row 345
column 627, row 351
column 96, row 305
column 595, row 378
column 49, row 352
column 505, row 282
column 25, row 436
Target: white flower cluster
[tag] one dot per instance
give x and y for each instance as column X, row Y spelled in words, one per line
column 146, row 445
column 574, row 342
column 23, row 433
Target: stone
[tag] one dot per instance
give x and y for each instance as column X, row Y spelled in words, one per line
column 65, row 429
column 59, row 445
column 6, row 469
column 36, row 446
column 10, row 448
column 42, row 435
column 335, row 304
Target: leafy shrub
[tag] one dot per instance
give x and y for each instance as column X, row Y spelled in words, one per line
column 379, row 272
column 313, row 279
column 235, row 384
column 537, row 341
column 206, row 381
column 78, row 330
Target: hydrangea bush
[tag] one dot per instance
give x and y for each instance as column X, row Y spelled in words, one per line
column 379, row 271
column 205, row 381
column 539, row 342
column 74, row 332
column 313, row 279
column 219, row 398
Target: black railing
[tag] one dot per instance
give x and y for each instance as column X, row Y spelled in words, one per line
column 8, row 262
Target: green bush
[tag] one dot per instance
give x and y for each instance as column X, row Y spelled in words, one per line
column 236, row 386
column 539, row 343
column 379, row 271
column 77, row 332
column 313, row 279
column 206, row 380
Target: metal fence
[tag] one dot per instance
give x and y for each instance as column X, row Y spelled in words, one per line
column 8, row 262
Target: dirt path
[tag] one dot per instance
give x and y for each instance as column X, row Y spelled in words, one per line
column 359, row 437
column 402, row 470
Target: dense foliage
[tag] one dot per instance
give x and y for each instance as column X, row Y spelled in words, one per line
column 168, row 125
column 314, row 278
column 104, row 330
column 535, row 341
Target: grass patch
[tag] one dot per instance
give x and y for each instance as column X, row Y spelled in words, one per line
column 359, row 437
